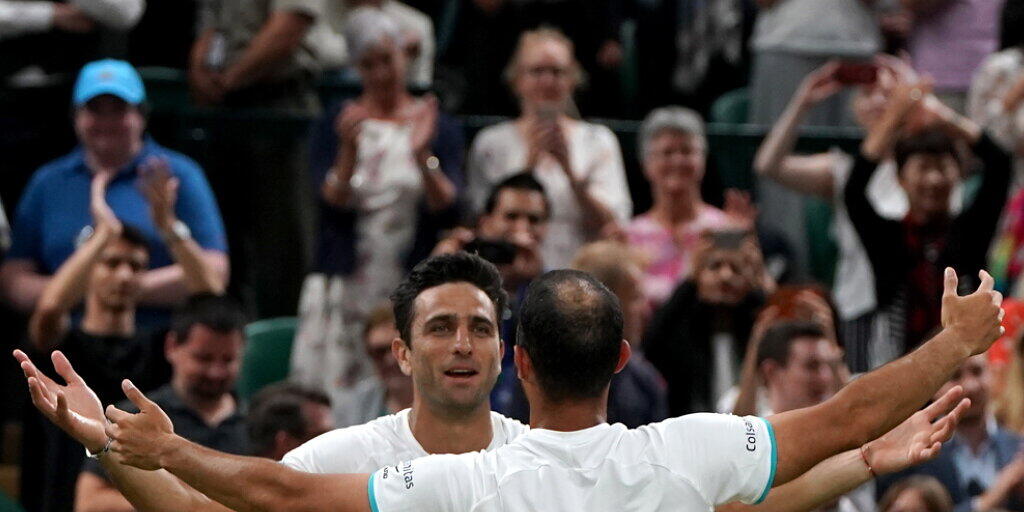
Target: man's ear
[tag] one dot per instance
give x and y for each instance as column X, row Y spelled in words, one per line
column 624, row 353
column 401, row 353
column 170, row 344
column 768, row 370
column 524, row 367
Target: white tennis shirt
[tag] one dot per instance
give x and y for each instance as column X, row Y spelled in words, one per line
column 386, row 440
column 690, row 463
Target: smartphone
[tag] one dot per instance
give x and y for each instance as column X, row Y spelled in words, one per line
column 857, row 73
column 498, row 252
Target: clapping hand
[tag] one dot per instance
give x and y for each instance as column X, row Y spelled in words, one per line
column 160, row 187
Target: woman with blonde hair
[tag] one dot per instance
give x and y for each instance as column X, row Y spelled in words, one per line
column 579, row 163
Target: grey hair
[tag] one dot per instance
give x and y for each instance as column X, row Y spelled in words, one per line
column 367, row 27
column 671, row 118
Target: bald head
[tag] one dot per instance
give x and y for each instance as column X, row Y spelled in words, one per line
column 571, row 327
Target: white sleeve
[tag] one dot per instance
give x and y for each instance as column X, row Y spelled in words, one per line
column 346, row 450
column 438, row 483
column 726, row 457
column 606, row 175
column 18, row 18
column 115, row 14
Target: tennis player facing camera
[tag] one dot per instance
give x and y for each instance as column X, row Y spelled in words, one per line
column 569, row 346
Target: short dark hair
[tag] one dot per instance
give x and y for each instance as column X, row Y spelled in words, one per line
column 521, row 181
column 931, row 141
column 220, row 313
column 277, row 408
column 571, row 327
column 459, row 267
column 134, row 237
column 779, row 338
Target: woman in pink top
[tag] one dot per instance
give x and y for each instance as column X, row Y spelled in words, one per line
column 673, row 152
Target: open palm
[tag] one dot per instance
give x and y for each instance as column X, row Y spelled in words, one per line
column 73, row 407
column 920, row 437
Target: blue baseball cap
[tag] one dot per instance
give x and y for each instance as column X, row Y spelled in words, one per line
column 109, row 76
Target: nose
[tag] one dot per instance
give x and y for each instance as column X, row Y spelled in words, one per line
column 124, row 272
column 463, row 345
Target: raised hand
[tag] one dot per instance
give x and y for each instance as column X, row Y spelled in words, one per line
column 920, row 437
column 160, row 186
column 102, row 216
column 740, row 209
column 139, row 439
column 819, row 85
column 73, row 407
column 349, row 123
column 976, row 317
column 422, row 115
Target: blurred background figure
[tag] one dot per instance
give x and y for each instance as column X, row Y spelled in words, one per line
column 54, row 211
column 698, row 337
column 918, row 493
column 387, row 167
column 282, row 416
column 579, row 163
column 204, row 349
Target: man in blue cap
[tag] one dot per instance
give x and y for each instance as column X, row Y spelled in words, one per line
column 53, row 218
column 110, row 122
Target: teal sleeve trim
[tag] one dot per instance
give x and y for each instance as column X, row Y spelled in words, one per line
column 373, row 496
column 775, row 462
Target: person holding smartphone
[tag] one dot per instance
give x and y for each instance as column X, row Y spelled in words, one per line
column 579, row 163
column 824, row 176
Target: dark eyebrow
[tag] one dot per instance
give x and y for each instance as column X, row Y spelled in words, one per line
column 478, row 318
column 443, row 317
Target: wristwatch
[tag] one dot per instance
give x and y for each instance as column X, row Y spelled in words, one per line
column 431, row 163
column 179, row 231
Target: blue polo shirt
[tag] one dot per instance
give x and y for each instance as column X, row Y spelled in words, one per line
column 55, row 207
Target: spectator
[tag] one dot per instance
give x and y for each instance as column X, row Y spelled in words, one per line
column 824, row 175
column 510, row 233
column 104, row 273
column 674, row 152
column 59, row 37
column 109, row 119
column 800, row 365
column 983, row 460
column 792, row 38
column 948, row 41
column 792, row 312
column 416, row 34
column 579, row 163
column 472, row 54
column 637, row 395
column 908, row 256
column 387, row 168
column 255, row 59
column 283, row 416
column 204, row 348
column 391, row 391
column 690, row 53
column 918, row 493
column 698, row 337
column 995, row 100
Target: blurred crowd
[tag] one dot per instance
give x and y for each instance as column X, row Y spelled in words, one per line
column 137, row 261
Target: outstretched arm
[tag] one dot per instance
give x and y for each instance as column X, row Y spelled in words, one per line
column 914, row 441
column 76, row 410
column 878, row 401
column 147, row 441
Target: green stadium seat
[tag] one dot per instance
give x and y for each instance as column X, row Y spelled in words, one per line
column 731, row 107
column 268, row 353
